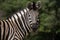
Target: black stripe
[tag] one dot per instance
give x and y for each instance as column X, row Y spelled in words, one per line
column 8, row 30
column 4, row 29
column 18, row 26
column 13, row 29
column 23, row 21
column 26, row 20
column 18, row 35
column 28, row 15
column 21, row 25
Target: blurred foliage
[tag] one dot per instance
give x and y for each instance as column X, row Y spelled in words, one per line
column 49, row 16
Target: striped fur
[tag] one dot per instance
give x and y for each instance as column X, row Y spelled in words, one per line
column 19, row 25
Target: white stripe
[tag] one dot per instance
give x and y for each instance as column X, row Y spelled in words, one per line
column 15, row 16
column 12, row 18
column 21, row 20
column 30, row 20
column 22, row 13
column 18, row 14
column 25, row 10
column 27, row 13
column 20, row 27
column 24, row 21
column 11, row 30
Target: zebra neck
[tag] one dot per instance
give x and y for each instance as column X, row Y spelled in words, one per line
column 19, row 19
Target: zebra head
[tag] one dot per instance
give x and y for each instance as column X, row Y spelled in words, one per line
column 34, row 7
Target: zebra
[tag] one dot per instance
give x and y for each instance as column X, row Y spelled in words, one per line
column 20, row 24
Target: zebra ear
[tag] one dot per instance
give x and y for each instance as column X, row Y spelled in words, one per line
column 30, row 5
column 38, row 4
